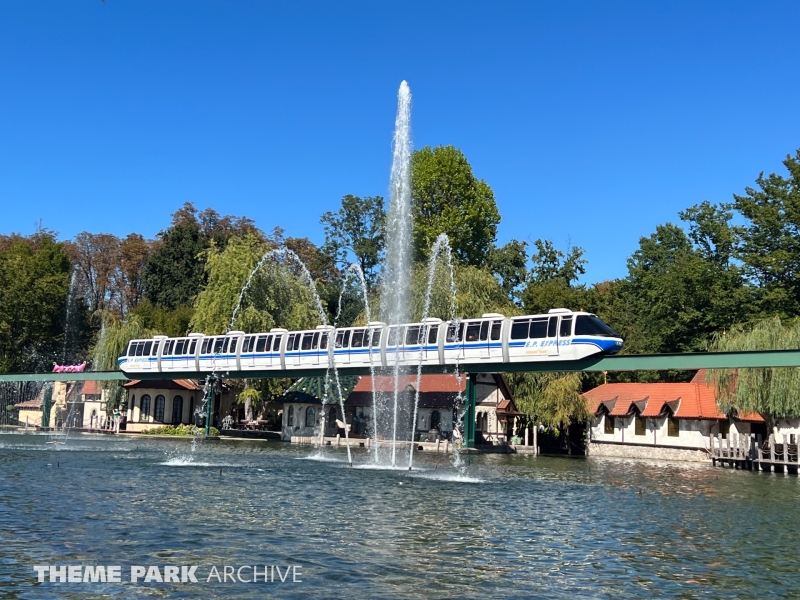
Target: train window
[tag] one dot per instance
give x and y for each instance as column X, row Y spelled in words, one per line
column 168, row 348
column 412, row 335
column 323, row 343
column 565, row 329
column 342, row 339
column 308, row 338
column 180, row 346
column 234, row 343
column 473, row 331
column 484, row 331
column 433, row 333
column 249, row 342
column 358, row 338
column 290, row 343
column 455, row 332
column 192, row 347
column 496, row 328
column 276, row 345
column 588, row 325
column 297, row 341
column 155, row 348
column 315, row 343
column 147, row 347
column 218, row 344
column 394, row 336
column 206, row 347
column 519, row 330
column 376, row 337
column 225, row 342
column 538, row 329
column 551, row 326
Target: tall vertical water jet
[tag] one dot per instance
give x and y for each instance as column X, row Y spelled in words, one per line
column 396, row 281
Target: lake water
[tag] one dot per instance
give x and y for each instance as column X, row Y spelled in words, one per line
column 516, row 527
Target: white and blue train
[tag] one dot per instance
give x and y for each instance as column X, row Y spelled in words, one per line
column 559, row 335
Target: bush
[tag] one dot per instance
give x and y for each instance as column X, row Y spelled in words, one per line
column 179, row 430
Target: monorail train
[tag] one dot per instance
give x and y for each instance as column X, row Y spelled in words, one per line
column 559, row 335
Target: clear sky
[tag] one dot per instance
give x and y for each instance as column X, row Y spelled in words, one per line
column 592, row 121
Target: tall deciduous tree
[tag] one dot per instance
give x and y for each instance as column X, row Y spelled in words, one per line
column 552, row 279
column 175, row 272
column 34, row 282
column 356, row 233
column 770, row 242
column 448, row 198
column 678, row 296
column 509, row 263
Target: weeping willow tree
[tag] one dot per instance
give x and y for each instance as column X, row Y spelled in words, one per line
column 113, row 340
column 477, row 292
column 550, row 399
column 774, row 393
column 277, row 296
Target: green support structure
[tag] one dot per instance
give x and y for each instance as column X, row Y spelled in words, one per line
column 469, row 412
column 210, row 382
column 48, row 399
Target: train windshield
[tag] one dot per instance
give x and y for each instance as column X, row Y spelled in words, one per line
column 591, row 325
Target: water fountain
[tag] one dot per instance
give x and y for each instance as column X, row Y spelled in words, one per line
column 396, row 278
column 285, row 253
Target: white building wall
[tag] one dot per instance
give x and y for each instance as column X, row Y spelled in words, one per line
column 693, row 433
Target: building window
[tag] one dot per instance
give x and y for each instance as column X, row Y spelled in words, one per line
column 290, row 417
column 144, row 409
column 673, row 428
column 640, row 425
column 311, row 416
column 177, row 410
column 609, row 425
column 158, row 413
column 724, row 429
column 133, row 403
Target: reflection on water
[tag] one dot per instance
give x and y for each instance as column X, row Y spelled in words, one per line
column 514, row 527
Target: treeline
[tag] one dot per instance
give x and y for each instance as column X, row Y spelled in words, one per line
column 718, row 266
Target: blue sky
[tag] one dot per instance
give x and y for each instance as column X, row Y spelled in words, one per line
column 593, row 122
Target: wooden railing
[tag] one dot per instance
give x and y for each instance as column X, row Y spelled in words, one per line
column 747, row 451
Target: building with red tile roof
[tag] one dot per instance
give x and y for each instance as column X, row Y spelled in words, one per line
column 660, row 419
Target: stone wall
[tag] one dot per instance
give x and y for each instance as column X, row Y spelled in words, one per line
column 647, row 452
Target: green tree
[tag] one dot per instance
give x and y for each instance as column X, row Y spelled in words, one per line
column 356, row 233
column 773, row 393
column 509, row 263
column 277, row 297
column 552, row 279
column 175, row 273
column 770, row 239
column 449, row 199
column 679, row 297
column 34, row 282
column 551, row 399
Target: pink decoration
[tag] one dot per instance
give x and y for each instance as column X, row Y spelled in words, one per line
column 69, row 368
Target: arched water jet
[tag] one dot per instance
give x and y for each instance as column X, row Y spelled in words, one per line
column 441, row 247
column 355, row 269
column 323, row 317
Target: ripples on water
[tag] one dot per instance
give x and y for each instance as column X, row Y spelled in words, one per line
column 514, row 526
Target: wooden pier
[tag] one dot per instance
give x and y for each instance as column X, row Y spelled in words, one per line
column 746, row 451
